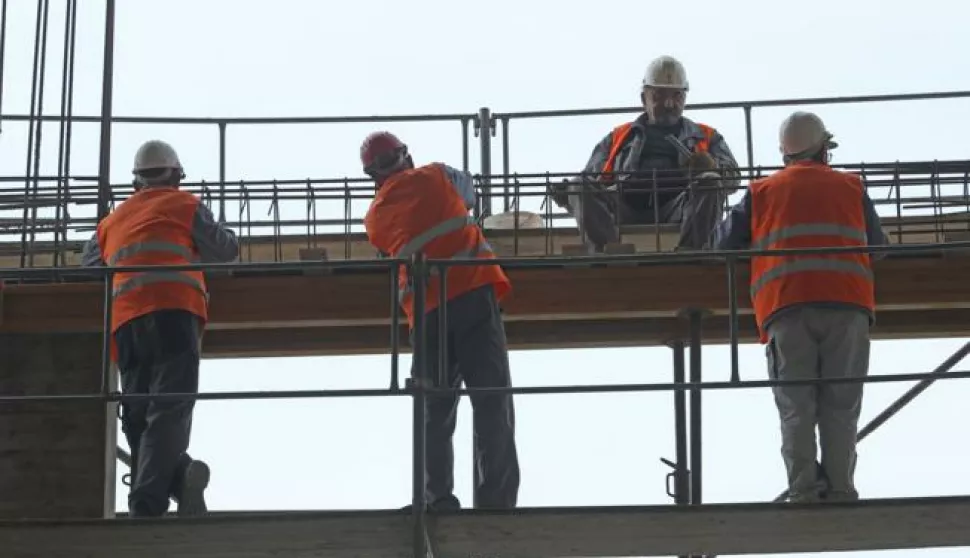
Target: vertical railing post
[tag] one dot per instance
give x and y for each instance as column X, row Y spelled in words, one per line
column 732, row 288
column 418, row 278
column 681, row 476
column 222, row 172
column 695, row 317
column 485, row 140
column 109, row 407
column 507, row 169
column 395, row 328
column 107, row 87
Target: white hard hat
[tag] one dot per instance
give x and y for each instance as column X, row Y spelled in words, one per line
column 666, row 72
column 803, row 133
column 156, row 154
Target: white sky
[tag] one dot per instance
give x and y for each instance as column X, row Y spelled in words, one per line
column 234, row 58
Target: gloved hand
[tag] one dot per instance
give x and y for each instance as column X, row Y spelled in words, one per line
column 701, row 166
column 699, row 163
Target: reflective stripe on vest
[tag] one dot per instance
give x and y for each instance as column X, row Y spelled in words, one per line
column 441, row 229
column 808, row 229
column 804, row 264
column 151, row 277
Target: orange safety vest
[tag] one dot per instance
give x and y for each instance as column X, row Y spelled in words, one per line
column 153, row 227
column 418, row 210
column 620, row 133
column 808, row 205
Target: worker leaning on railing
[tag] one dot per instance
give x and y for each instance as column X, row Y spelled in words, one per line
column 425, row 209
column 157, row 321
column 813, row 311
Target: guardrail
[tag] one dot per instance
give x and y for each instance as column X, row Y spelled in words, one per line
column 687, row 479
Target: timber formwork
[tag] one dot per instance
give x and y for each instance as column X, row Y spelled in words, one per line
column 58, row 397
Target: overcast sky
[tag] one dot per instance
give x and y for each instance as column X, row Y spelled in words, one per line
column 241, row 58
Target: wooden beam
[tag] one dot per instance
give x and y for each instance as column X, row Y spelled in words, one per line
column 551, row 334
column 725, row 529
column 344, row 313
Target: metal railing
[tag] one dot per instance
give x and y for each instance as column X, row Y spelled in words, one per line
column 305, row 196
column 688, row 466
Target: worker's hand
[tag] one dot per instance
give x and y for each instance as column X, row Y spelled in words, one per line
column 699, row 163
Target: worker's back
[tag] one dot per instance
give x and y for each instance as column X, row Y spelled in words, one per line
column 420, row 209
column 153, row 227
column 808, row 205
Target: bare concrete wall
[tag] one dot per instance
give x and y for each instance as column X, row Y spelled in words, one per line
column 53, row 454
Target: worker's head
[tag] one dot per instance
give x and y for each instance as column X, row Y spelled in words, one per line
column 157, row 164
column 382, row 154
column 803, row 137
column 664, row 91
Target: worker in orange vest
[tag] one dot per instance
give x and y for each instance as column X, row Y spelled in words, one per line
column 660, row 168
column 813, row 311
column 157, row 321
column 425, row 209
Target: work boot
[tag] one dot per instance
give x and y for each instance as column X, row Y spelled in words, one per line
column 445, row 504
column 190, row 495
column 839, row 496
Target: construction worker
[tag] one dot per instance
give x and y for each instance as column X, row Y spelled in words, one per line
column 157, row 321
column 425, row 209
column 813, row 311
column 669, row 169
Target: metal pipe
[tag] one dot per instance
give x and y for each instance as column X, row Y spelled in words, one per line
column 32, row 124
column 107, row 88
column 696, row 432
column 419, row 502
column 485, row 141
column 395, row 331
column 681, row 474
column 749, row 138
column 596, row 388
column 40, row 126
column 222, row 172
column 505, row 164
column 733, row 325
column 3, row 53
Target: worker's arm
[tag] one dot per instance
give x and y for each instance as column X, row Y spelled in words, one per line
column 734, row 232
column 91, row 254
column 726, row 163
column 874, row 233
column 464, row 184
column 597, row 159
column 214, row 242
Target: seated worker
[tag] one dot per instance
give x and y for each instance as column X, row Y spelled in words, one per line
column 694, row 169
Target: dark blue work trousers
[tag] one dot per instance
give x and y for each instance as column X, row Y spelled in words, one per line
column 158, row 353
column 478, row 356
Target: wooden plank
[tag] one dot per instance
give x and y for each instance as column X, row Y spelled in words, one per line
column 551, row 334
column 725, row 529
column 359, row 299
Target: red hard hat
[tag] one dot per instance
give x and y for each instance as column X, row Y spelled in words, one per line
column 381, row 151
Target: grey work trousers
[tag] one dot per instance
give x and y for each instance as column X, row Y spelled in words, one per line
column 158, row 353
column 476, row 354
column 808, row 342
column 697, row 209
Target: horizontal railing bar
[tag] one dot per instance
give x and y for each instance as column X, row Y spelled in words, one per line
column 743, row 104
column 683, row 258
column 246, row 119
column 530, row 390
